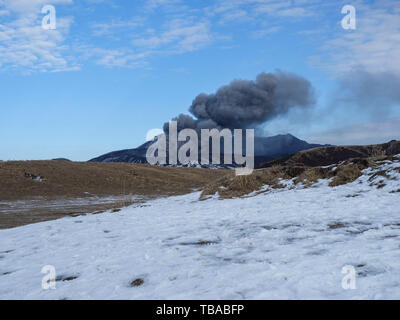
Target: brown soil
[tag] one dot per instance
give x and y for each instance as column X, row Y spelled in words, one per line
column 137, row 282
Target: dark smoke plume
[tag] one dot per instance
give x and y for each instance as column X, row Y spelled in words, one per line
column 247, row 104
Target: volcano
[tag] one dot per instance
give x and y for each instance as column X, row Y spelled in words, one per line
column 265, row 149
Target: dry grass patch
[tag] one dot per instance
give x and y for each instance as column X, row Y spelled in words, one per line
column 345, row 174
column 381, row 173
column 312, row 175
column 237, row 186
column 350, row 171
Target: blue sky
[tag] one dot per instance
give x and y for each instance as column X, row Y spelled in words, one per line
column 112, row 70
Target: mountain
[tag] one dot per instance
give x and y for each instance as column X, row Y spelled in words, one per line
column 279, row 146
column 137, row 155
column 265, row 149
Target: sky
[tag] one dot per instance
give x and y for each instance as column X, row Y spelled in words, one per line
column 111, row 71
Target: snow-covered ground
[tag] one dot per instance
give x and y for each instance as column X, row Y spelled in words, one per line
column 288, row 244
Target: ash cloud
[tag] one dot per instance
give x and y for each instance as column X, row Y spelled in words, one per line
column 247, row 104
column 375, row 94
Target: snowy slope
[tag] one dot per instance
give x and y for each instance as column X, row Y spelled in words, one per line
column 289, row 244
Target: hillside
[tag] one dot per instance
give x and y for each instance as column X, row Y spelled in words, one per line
column 328, row 155
column 279, row 176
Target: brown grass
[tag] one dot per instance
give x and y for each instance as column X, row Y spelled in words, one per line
column 62, row 180
column 312, row 175
column 381, row 173
column 232, row 186
column 82, row 179
column 345, row 174
column 237, row 186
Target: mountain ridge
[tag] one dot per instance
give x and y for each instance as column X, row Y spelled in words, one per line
column 328, row 155
column 265, row 149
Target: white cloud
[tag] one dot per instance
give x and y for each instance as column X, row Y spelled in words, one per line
column 264, row 32
column 258, row 10
column 295, row 12
column 179, row 36
column 374, row 45
column 30, row 6
column 110, row 28
column 155, row 4
column 120, row 58
column 159, row 27
column 26, row 45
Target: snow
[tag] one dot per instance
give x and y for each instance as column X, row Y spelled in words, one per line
column 289, row 243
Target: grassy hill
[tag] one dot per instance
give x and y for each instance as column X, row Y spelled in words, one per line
column 49, row 179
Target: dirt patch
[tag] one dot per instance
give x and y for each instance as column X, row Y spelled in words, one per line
column 199, row 243
column 205, row 243
column 269, row 228
column 136, row 283
column 66, row 278
column 337, row 225
column 353, row 195
column 381, row 185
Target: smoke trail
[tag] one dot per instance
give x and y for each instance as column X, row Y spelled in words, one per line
column 372, row 93
column 247, row 104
